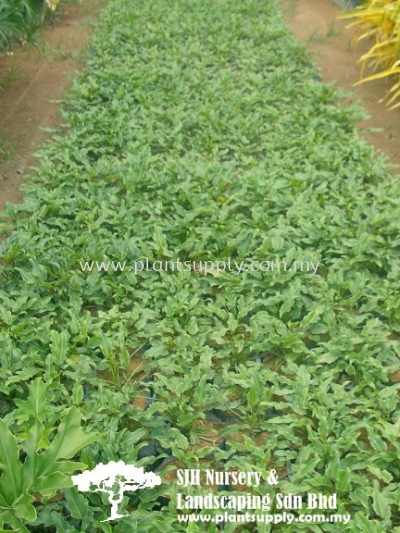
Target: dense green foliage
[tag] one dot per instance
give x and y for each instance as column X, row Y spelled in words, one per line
column 198, row 132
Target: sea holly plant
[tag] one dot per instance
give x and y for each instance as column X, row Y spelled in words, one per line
column 42, row 472
column 198, row 133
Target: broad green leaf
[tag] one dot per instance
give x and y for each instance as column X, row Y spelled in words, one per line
column 305, row 469
column 252, row 398
column 52, row 482
column 59, row 345
column 36, row 404
column 76, row 503
column 192, row 327
column 68, row 441
column 133, row 437
column 323, row 428
column 364, row 524
column 376, row 441
column 181, row 440
column 343, row 479
column 24, row 509
column 61, row 524
column 46, row 472
column 106, row 346
column 312, row 316
column 360, row 496
column 379, row 502
column 379, row 473
column 77, row 393
column 9, row 517
column 200, row 391
column 11, row 486
column 333, row 465
column 30, row 445
column 6, row 316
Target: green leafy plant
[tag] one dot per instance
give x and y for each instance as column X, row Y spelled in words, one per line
column 198, row 132
column 20, row 19
column 45, row 469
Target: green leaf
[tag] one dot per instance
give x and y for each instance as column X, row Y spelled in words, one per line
column 61, row 524
column 68, row 441
column 333, row 466
column 379, row 502
column 30, row 445
column 306, row 469
column 192, row 327
column 312, row 316
column 384, row 475
column 11, row 486
column 256, row 390
column 24, row 509
column 51, row 483
column 364, row 524
column 181, row 440
column 46, row 472
column 343, row 480
column 251, row 396
column 376, row 441
column 59, row 345
column 36, row 404
column 76, row 503
column 77, row 393
column 200, row 391
column 9, row 517
column 134, row 437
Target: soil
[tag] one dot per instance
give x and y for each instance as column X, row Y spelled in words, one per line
column 32, row 79
column 315, row 23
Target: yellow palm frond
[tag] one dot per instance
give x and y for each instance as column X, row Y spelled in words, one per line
column 378, row 20
column 52, row 4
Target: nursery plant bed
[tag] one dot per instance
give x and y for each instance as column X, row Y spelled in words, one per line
column 32, row 81
column 201, row 131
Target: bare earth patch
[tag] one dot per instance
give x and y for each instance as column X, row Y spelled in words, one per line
column 315, row 23
column 30, row 81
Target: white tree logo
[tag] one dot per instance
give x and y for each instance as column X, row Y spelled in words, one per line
column 115, row 479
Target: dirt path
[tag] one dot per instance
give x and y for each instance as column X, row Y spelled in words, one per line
column 30, row 81
column 315, row 22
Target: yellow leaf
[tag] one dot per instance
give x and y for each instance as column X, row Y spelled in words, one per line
column 52, row 4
